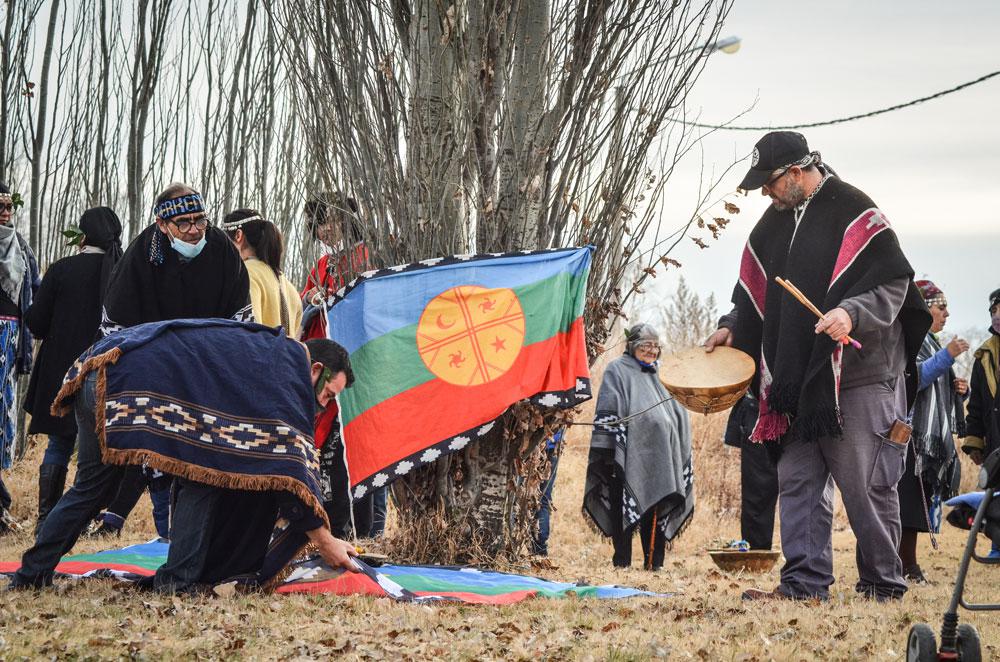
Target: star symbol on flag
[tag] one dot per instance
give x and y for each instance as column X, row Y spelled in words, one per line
column 499, row 343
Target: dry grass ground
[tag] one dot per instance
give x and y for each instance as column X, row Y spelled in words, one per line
column 705, row 620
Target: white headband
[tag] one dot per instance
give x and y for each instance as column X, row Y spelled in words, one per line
column 235, row 224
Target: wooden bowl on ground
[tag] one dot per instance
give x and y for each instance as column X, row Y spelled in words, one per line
column 755, row 560
column 707, row 382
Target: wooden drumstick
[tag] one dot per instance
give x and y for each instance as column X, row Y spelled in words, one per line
column 795, row 292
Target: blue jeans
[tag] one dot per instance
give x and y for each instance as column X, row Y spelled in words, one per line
column 95, row 485
column 541, row 543
column 59, row 451
column 134, row 482
column 160, row 496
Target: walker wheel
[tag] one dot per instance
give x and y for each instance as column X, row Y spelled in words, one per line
column 921, row 646
column 969, row 648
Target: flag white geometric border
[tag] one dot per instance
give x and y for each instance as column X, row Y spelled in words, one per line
column 552, row 399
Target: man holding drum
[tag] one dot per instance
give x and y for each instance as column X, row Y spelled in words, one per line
column 831, row 408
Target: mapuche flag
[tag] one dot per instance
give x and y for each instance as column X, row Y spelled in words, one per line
column 440, row 348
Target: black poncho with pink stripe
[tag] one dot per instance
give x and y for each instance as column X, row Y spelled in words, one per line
column 842, row 247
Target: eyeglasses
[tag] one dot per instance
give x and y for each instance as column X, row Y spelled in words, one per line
column 778, row 174
column 648, row 347
column 185, row 225
column 7, row 206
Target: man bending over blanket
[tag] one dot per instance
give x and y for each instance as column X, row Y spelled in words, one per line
column 233, row 427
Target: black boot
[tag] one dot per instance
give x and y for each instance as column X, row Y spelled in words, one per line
column 51, row 482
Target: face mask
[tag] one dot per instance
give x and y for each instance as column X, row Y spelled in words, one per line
column 186, row 250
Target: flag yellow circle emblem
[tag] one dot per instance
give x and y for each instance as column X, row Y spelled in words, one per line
column 471, row 335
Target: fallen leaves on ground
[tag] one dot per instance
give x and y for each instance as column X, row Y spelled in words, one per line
column 705, row 620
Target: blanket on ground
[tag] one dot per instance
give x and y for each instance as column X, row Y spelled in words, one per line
column 406, row 583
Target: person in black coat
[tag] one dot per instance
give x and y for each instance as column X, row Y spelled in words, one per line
column 65, row 315
column 983, row 419
column 758, row 474
column 179, row 267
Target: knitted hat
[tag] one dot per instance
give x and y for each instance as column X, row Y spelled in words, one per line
column 929, row 291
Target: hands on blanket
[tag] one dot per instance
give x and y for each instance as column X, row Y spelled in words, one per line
column 337, row 553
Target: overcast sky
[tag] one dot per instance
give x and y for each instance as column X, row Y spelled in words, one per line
column 933, row 168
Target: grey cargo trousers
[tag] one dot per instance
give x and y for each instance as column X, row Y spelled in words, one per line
column 866, row 468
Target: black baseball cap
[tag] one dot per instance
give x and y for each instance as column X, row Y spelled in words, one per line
column 775, row 150
column 994, row 298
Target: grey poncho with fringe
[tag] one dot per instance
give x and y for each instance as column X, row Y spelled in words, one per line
column 648, row 456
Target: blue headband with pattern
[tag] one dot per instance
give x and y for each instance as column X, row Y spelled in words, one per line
column 186, row 204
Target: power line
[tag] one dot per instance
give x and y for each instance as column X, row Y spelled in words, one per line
column 844, row 119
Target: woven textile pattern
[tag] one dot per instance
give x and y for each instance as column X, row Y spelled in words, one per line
column 8, row 390
column 198, row 426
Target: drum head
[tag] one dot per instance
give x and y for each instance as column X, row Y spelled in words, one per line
column 723, row 367
column 707, row 382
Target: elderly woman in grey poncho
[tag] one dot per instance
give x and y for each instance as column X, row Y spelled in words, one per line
column 639, row 474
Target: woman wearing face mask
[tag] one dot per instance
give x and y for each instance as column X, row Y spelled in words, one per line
column 983, row 421
column 639, row 473
column 179, row 267
column 938, row 414
column 18, row 284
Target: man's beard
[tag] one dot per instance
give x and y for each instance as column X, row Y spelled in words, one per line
column 794, row 195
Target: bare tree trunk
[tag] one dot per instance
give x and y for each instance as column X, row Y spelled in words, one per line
column 145, row 74
column 435, row 148
column 5, row 87
column 236, row 110
column 519, row 203
column 16, row 87
column 100, row 137
column 38, row 140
